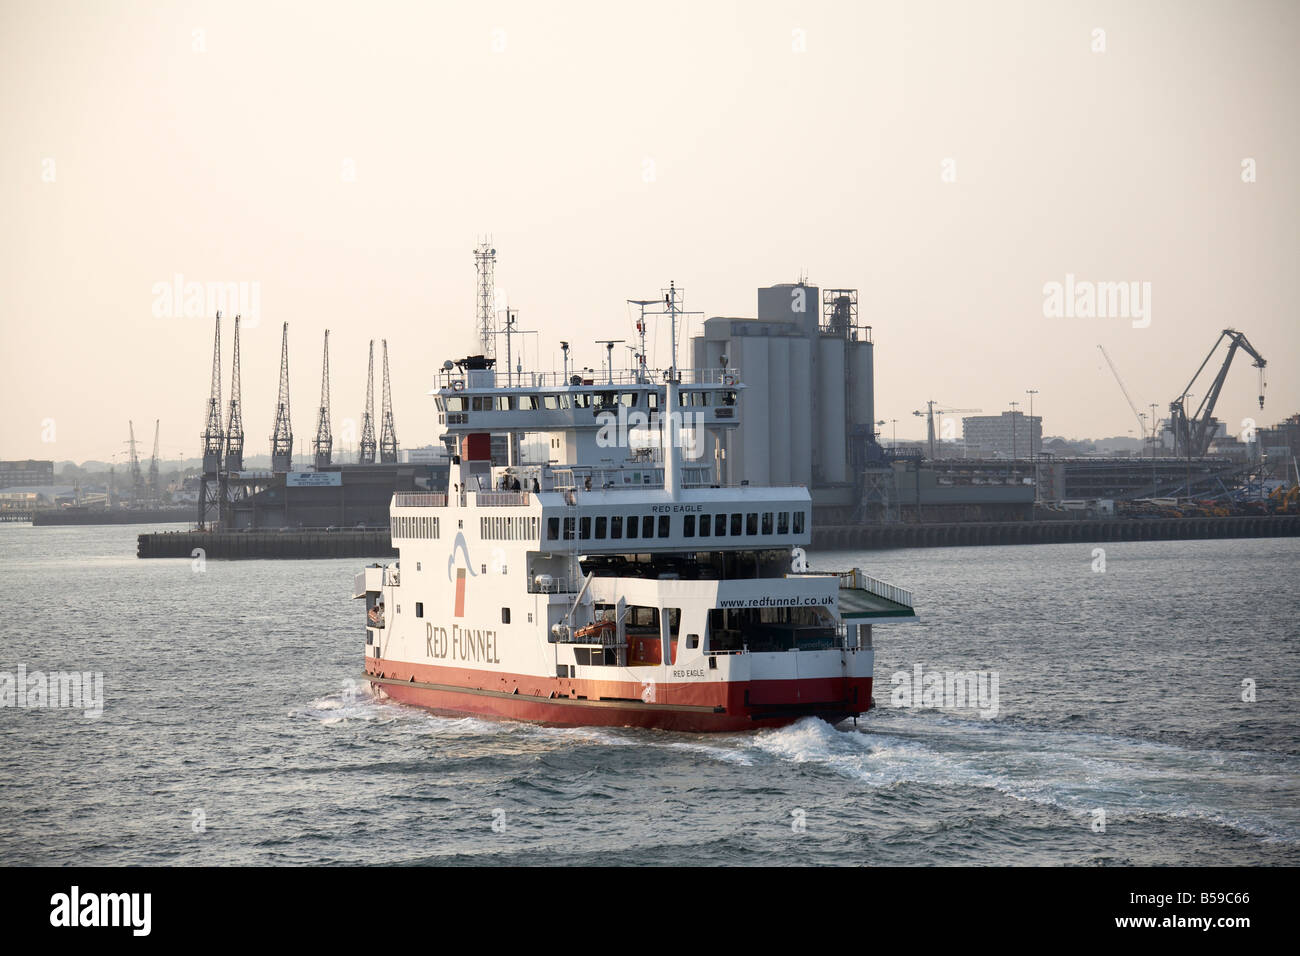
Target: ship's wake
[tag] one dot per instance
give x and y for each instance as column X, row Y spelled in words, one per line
column 1081, row 773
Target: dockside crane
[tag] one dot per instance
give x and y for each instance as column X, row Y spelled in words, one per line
column 930, row 413
column 323, row 446
column 387, row 431
column 137, row 479
column 1142, row 426
column 155, row 489
column 367, row 453
column 1192, row 435
column 235, row 416
column 282, row 436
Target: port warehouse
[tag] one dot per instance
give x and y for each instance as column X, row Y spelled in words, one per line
column 337, row 496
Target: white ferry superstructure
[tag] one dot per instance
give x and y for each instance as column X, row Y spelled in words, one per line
column 611, row 584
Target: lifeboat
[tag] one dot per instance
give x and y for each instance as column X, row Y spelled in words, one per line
column 601, row 632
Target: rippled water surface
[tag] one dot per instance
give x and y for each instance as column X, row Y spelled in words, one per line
column 235, row 731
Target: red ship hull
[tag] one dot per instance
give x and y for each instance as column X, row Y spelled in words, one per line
column 691, row 707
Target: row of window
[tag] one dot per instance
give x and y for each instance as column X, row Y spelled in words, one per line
column 523, row 528
column 411, row 526
column 736, row 524
column 567, row 400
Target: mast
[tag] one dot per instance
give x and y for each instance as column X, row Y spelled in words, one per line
column 485, row 263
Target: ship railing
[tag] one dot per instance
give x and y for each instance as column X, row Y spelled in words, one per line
column 502, row 499
column 865, row 582
column 419, row 500
column 729, row 376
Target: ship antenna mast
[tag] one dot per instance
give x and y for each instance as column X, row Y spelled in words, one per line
column 641, row 332
column 485, row 264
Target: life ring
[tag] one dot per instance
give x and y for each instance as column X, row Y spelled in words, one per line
column 728, row 380
column 457, row 385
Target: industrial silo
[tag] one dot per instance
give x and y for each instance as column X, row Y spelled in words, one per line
column 755, row 450
column 778, row 357
column 831, row 409
column 801, row 420
column 862, row 399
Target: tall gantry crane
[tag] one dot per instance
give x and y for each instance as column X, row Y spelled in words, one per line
column 1192, row 435
column 154, row 486
column 387, row 432
column 323, row 446
column 213, row 440
column 367, row 455
column 282, row 436
column 235, row 417
column 137, row 479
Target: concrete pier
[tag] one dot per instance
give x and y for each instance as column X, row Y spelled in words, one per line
column 267, row 544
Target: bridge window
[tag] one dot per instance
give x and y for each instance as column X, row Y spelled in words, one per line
column 737, row 524
column 767, row 522
column 601, row 522
column 705, row 522
column 648, row 526
column 663, row 526
column 720, row 525
column 584, row 528
column 751, row 523
column 783, row 523
column 456, row 403
column 551, row 402
column 798, row 522
column 568, row 529
column 688, row 526
column 616, row 526
column 632, row 525
column 552, row 529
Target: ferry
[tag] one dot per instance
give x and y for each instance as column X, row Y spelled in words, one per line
column 591, row 569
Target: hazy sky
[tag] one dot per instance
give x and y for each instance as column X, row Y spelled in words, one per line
column 345, row 156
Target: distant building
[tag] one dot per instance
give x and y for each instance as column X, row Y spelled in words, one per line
column 428, row 455
column 27, row 473
column 1009, row 435
column 1283, row 435
column 20, row 498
